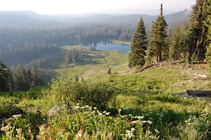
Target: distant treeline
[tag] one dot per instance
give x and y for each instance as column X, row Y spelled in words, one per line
column 19, row 78
column 25, row 45
column 61, row 36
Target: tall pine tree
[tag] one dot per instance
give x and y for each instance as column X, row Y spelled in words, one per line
column 197, row 31
column 158, row 47
column 138, row 46
column 177, row 44
column 208, row 53
column 4, row 75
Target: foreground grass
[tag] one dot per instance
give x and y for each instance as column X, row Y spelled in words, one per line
column 145, row 105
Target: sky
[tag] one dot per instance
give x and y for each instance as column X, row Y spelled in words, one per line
column 55, row 7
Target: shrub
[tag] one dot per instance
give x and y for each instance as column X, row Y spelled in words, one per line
column 92, row 93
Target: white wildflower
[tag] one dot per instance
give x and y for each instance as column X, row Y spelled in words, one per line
column 157, row 131
column 149, row 122
column 76, row 107
column 140, row 117
column 133, row 129
column 17, row 116
column 134, row 122
column 107, row 113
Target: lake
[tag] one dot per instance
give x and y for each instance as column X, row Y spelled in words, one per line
column 107, row 46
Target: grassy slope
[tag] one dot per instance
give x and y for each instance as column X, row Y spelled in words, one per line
column 157, row 90
column 156, row 86
column 95, row 67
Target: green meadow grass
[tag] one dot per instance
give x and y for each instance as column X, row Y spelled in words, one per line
column 146, row 105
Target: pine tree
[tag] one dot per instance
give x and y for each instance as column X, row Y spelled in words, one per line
column 158, row 46
column 177, row 44
column 4, row 75
column 109, row 71
column 138, row 46
column 197, row 31
column 208, row 53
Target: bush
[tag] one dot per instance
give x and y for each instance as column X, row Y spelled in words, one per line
column 8, row 108
column 92, row 93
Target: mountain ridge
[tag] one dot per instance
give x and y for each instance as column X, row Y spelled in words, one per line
column 30, row 19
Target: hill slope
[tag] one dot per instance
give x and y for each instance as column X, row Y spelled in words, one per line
column 28, row 19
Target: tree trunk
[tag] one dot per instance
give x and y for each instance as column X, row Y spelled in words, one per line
column 199, row 92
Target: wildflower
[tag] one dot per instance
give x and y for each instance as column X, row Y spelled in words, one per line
column 140, row 117
column 77, row 107
column 60, row 122
column 95, row 108
column 107, row 113
column 65, row 110
column 81, row 127
column 133, row 129
column 17, row 116
column 50, row 138
column 133, row 122
column 129, row 134
column 119, row 110
column 87, row 106
column 157, row 131
column 62, row 97
column 100, row 114
column 49, row 118
column 149, row 122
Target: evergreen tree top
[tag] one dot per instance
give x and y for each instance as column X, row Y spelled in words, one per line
column 161, row 9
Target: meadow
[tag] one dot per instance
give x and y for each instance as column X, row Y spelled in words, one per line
column 124, row 105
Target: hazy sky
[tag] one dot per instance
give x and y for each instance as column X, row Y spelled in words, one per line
column 92, row 6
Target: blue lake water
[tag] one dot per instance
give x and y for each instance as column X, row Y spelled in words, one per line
column 107, row 46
